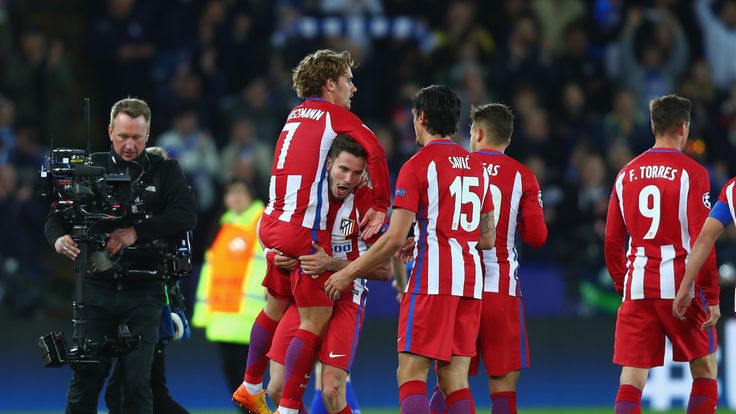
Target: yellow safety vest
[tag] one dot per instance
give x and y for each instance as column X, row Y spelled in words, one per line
column 229, row 293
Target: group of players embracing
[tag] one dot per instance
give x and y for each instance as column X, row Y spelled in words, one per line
column 326, row 231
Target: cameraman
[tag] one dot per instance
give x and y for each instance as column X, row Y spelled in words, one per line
column 170, row 210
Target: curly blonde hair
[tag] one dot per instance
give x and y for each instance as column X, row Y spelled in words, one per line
column 313, row 71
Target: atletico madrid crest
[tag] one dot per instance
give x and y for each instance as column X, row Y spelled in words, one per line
column 347, row 227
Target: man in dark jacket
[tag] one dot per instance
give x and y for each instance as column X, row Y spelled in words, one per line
column 112, row 298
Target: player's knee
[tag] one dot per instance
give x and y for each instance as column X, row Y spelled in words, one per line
column 704, row 367
column 451, row 380
column 275, row 308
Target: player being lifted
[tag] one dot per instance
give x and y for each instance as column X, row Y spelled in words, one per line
column 348, row 202
column 446, row 191
column 296, row 216
column 661, row 199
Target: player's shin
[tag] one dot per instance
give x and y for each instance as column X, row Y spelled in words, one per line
column 300, row 357
column 261, row 336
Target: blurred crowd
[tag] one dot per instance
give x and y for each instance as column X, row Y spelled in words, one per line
column 577, row 74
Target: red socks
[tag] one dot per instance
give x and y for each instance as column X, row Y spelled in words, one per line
column 346, row 410
column 298, row 363
column 460, row 402
column 703, row 396
column 628, row 400
column 413, row 396
column 261, row 336
column 503, row 402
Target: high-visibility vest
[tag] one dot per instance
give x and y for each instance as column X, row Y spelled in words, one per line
column 229, row 293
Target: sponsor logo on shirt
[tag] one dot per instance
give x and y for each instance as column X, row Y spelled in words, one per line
column 343, row 246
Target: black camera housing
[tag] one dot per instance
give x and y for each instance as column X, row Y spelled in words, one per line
column 55, row 352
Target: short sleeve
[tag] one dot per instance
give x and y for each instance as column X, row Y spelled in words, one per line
column 408, row 189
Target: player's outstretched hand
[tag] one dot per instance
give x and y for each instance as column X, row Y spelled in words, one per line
column 714, row 313
column 372, row 223
column 406, row 252
column 316, row 263
column 681, row 303
column 336, row 283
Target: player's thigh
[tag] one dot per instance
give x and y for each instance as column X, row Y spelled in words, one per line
column 343, row 333
column 309, row 291
column 689, row 340
column 427, row 325
column 502, row 338
column 467, row 324
column 278, row 283
column 639, row 339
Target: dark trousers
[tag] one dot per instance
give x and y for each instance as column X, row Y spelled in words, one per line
column 233, row 358
column 163, row 402
column 107, row 306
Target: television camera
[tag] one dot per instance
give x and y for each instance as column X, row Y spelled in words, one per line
column 94, row 203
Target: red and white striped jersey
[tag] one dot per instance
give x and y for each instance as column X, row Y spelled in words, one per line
column 515, row 193
column 344, row 221
column 661, row 199
column 448, row 191
column 298, row 191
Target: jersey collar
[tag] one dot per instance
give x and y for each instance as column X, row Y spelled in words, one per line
column 488, row 151
column 442, row 141
column 662, row 149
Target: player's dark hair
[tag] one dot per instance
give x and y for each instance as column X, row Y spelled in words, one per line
column 441, row 109
column 313, row 71
column 133, row 107
column 496, row 119
column 668, row 112
column 345, row 143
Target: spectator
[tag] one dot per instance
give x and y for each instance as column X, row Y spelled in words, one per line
column 247, row 157
column 663, row 59
column 719, row 40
